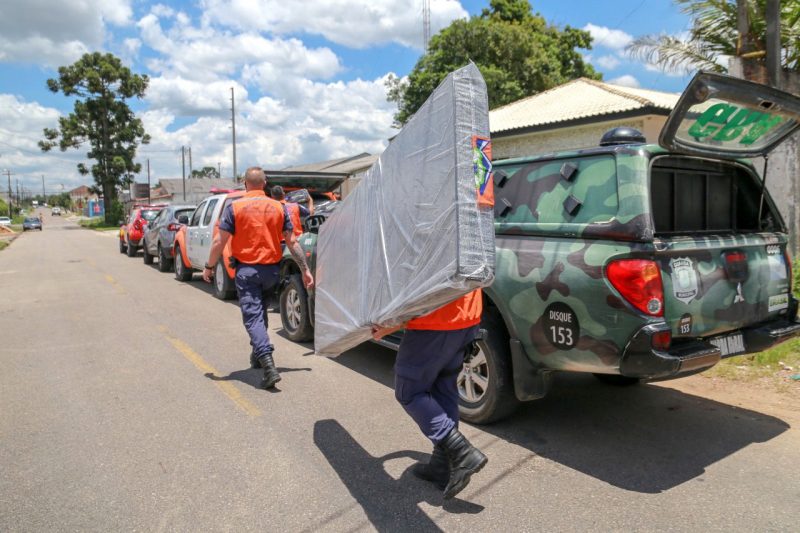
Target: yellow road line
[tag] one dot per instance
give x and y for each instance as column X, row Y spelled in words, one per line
column 229, row 389
column 112, row 281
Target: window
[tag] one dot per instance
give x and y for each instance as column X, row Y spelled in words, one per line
column 150, row 214
column 196, row 217
column 580, row 190
column 210, row 211
column 703, row 196
column 183, row 212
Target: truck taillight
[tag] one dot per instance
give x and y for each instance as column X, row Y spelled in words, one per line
column 639, row 282
column 173, row 227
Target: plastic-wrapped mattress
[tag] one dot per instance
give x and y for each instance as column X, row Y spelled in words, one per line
column 418, row 231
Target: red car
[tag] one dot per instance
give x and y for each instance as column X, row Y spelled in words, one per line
column 131, row 233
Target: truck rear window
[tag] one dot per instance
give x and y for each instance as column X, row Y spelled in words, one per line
column 701, row 196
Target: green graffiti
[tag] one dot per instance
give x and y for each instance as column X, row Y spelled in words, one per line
column 727, row 122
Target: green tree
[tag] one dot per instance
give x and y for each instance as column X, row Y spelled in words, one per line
column 101, row 118
column 518, row 53
column 205, row 172
column 714, row 35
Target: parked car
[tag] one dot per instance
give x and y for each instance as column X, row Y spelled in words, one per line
column 5, row 221
column 159, row 235
column 193, row 243
column 131, row 233
column 56, row 212
column 629, row 261
column 31, row 223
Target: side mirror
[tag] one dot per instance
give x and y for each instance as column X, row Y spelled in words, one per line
column 183, row 219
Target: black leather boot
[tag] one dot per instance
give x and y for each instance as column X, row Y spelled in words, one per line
column 464, row 460
column 253, row 360
column 271, row 376
column 437, row 471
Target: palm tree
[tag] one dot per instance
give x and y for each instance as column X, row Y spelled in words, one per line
column 714, row 37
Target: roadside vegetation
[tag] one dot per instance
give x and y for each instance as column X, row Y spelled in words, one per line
column 98, row 224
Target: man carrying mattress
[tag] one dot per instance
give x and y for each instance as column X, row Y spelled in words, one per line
column 431, row 355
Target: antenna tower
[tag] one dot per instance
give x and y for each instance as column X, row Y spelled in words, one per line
column 426, row 24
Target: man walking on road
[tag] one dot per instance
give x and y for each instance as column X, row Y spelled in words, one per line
column 255, row 223
column 432, row 353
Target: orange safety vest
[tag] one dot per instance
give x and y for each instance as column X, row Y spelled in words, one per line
column 458, row 314
column 258, row 227
column 294, row 216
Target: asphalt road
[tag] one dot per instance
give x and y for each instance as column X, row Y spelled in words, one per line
column 126, row 403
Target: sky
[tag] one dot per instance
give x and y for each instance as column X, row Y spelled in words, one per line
column 308, row 75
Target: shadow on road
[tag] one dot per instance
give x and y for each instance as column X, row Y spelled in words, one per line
column 390, row 504
column 251, row 376
column 646, row 438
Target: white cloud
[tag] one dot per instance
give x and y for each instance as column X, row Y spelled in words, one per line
column 608, row 62
column 53, row 33
column 626, row 81
column 608, row 38
column 353, row 23
column 206, row 54
column 21, row 125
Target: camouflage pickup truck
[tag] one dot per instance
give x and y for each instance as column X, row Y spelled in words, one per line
column 629, row 261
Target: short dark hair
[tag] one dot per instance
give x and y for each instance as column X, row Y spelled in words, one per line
column 277, row 192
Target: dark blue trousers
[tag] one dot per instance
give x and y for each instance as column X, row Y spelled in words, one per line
column 254, row 283
column 426, row 370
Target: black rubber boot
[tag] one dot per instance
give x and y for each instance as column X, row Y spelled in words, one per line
column 437, row 471
column 271, row 376
column 253, row 360
column 464, row 460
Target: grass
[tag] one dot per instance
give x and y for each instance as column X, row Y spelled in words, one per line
column 98, row 224
column 4, row 244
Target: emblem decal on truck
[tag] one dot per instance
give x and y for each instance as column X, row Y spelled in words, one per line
column 684, row 279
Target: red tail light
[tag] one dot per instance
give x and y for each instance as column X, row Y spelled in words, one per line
column 661, row 340
column 639, row 282
column 173, row 226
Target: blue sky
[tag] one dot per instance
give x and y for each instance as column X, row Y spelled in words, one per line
column 308, row 75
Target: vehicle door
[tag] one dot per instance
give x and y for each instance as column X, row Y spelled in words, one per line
column 193, row 233
column 206, row 230
column 151, row 232
column 721, row 243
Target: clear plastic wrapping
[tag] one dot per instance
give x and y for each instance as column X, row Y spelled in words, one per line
column 418, row 231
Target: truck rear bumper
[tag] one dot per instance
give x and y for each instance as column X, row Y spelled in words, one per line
column 640, row 360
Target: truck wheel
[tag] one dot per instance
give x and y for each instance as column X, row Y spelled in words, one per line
column 617, row 380
column 181, row 272
column 224, row 287
column 164, row 262
column 131, row 250
column 148, row 259
column 294, row 311
column 122, row 247
column 486, row 383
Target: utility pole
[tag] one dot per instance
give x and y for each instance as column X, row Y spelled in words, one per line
column 10, row 199
column 426, row 24
column 148, row 181
column 44, row 195
column 190, row 161
column 219, row 169
column 233, row 127
column 183, row 167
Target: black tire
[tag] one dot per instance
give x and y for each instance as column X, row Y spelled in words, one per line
column 181, row 272
column 148, row 259
column 224, row 287
column 122, row 247
column 493, row 364
column 131, row 250
column 295, row 318
column 617, row 380
column 164, row 262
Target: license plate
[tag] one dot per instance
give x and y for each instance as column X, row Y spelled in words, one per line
column 729, row 344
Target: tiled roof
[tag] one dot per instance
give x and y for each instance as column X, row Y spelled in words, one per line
column 579, row 99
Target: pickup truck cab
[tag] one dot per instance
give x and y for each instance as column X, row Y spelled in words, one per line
column 630, row 261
